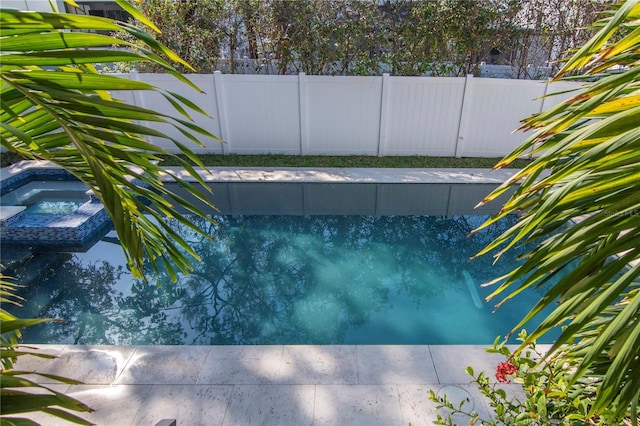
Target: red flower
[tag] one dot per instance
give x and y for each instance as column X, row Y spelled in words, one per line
column 505, row 369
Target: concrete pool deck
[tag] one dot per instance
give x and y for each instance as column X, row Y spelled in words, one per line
column 264, row 385
column 275, row 385
column 348, row 175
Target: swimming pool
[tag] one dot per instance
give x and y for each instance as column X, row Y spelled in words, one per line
column 293, row 264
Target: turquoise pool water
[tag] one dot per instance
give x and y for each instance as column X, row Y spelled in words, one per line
column 284, row 269
column 54, row 206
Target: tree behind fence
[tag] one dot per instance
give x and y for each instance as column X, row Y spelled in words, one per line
column 354, row 37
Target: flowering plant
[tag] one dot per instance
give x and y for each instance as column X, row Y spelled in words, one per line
column 505, row 369
column 545, row 396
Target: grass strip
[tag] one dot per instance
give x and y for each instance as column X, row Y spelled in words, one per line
column 276, row 160
column 235, row 160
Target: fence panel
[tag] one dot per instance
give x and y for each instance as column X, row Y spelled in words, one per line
column 205, row 100
column 262, row 113
column 558, row 92
column 497, row 106
column 423, row 116
column 157, row 102
column 343, row 115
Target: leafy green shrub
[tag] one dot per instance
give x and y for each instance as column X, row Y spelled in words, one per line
column 546, row 396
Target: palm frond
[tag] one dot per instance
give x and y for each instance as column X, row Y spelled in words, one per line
column 580, row 208
column 56, row 107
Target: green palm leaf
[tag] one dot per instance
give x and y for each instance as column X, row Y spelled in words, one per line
column 579, row 202
column 56, row 107
column 16, row 391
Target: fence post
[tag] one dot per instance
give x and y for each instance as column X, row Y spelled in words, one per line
column 136, row 94
column 544, row 94
column 302, row 108
column 384, row 108
column 138, row 100
column 544, row 98
column 224, row 133
column 463, row 123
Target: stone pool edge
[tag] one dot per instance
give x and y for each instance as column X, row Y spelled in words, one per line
column 312, row 174
column 345, row 175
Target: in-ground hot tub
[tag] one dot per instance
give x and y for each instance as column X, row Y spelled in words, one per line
column 45, row 206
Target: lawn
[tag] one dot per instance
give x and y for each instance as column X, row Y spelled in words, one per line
column 234, row 160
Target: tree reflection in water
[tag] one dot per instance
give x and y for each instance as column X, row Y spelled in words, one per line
column 264, row 280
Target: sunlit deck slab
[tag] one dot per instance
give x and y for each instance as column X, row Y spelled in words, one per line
column 353, row 175
column 280, row 384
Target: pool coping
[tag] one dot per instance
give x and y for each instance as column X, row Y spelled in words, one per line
column 345, row 175
column 311, row 174
column 284, row 384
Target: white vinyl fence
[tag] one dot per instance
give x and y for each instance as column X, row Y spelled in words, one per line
column 379, row 116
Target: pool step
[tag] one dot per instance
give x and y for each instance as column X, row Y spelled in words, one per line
column 10, row 214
